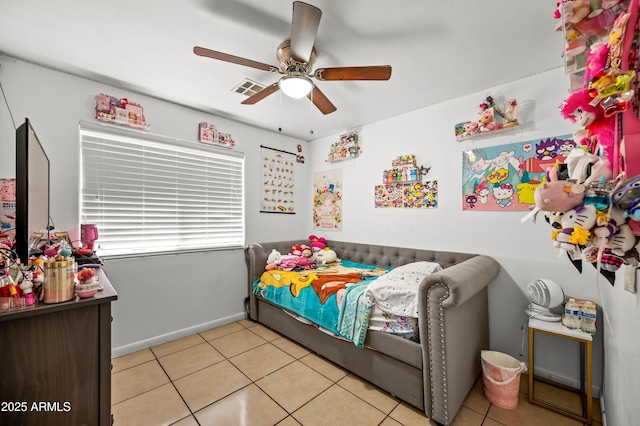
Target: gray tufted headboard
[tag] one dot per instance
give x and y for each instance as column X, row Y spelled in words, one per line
column 369, row 254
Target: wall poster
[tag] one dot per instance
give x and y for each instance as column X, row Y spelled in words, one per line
column 7, row 208
column 407, row 195
column 505, row 177
column 277, row 181
column 327, row 200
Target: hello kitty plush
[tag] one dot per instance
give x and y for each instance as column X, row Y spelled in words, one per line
column 576, row 229
column 613, row 232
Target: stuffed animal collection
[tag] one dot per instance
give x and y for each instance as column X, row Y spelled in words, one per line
column 582, row 197
column 302, row 257
column 590, row 213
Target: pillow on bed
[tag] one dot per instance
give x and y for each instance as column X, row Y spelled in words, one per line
column 396, row 292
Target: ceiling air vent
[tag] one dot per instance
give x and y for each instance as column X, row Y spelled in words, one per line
column 248, row 87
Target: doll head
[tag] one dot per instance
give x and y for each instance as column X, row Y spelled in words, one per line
column 577, row 109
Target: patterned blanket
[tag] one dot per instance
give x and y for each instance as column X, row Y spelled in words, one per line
column 330, row 297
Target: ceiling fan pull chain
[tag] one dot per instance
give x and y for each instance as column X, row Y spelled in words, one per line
column 311, row 113
column 280, row 114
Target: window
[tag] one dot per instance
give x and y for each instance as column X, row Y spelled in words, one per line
column 150, row 194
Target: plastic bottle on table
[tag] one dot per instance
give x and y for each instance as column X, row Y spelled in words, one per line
column 571, row 318
column 588, row 317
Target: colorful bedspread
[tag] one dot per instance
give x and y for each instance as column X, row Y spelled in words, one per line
column 331, row 297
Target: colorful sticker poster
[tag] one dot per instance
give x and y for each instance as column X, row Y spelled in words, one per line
column 407, row 195
column 277, row 181
column 504, row 177
column 7, row 208
column 327, row 200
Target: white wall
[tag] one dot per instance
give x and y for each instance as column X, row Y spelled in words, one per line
column 523, row 250
column 160, row 297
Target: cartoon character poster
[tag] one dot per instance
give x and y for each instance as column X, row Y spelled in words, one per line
column 407, row 195
column 505, row 177
column 327, row 200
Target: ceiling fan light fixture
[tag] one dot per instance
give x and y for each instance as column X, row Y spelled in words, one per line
column 295, row 86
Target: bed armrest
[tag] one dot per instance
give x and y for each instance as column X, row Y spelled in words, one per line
column 461, row 281
column 255, row 256
column 454, row 328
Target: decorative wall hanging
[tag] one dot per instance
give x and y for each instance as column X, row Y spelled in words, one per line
column 278, row 181
column 505, row 177
column 490, row 119
column 300, row 157
column 345, row 149
column 120, row 111
column 7, row 209
column 407, row 195
column 210, row 135
column 327, row 200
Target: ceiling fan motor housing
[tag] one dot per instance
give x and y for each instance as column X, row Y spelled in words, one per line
column 289, row 65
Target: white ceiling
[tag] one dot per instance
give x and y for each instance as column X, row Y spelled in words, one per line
column 438, row 50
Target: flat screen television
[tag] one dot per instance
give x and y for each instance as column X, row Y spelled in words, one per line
column 32, row 188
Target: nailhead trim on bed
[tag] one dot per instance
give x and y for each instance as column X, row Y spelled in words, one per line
column 430, row 345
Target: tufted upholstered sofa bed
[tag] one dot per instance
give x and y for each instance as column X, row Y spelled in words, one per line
column 434, row 375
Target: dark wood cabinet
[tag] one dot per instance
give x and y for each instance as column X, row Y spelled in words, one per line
column 55, row 362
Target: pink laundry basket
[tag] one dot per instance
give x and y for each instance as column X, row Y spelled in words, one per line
column 501, row 378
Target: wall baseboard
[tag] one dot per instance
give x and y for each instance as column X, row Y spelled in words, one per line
column 147, row 343
column 603, row 411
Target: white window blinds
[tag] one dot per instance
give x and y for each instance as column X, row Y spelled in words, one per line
column 149, row 194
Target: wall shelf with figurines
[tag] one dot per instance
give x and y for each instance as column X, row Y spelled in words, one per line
column 210, row 135
column 404, row 169
column 585, row 24
column 120, row 111
column 402, row 186
column 490, row 120
column 347, row 148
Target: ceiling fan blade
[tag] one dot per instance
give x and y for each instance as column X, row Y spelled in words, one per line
column 382, row 72
column 321, row 101
column 261, row 94
column 208, row 53
column 304, row 27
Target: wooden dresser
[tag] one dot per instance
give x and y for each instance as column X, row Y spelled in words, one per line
column 55, row 362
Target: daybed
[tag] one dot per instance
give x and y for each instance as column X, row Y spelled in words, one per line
column 434, row 375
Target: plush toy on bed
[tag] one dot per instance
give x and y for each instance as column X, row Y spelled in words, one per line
column 317, row 243
column 274, row 260
column 326, row 256
column 306, row 251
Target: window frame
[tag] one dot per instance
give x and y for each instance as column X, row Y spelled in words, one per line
column 234, row 203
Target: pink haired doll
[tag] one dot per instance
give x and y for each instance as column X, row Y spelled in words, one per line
column 599, row 129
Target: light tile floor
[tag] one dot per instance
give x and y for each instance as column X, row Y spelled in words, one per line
column 246, row 374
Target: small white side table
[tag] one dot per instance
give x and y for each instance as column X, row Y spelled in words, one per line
column 586, row 350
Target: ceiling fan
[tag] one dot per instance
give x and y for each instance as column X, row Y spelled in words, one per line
column 296, row 57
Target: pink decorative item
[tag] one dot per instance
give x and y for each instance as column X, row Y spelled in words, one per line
column 88, row 235
column 558, row 196
column 600, row 129
column 501, row 378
